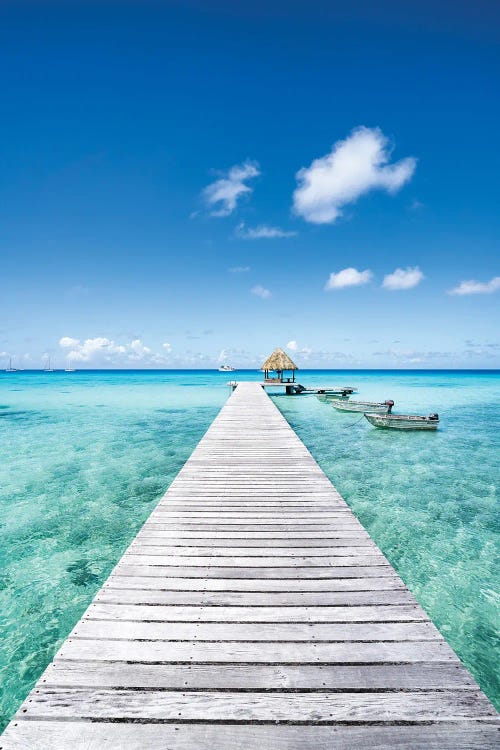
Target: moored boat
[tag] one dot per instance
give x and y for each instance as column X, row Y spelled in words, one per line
column 403, row 421
column 383, row 407
column 333, row 394
column 226, row 368
column 328, row 397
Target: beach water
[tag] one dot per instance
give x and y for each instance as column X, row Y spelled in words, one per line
column 85, row 456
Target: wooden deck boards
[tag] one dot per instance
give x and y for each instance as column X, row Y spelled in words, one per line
column 251, row 611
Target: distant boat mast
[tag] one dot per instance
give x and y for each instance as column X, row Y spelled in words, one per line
column 10, row 368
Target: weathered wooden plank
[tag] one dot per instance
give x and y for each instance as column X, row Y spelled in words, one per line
column 79, row 735
column 171, row 613
column 319, row 531
column 164, row 705
column 288, row 528
column 166, row 571
column 324, row 677
column 147, row 537
column 379, row 652
column 138, row 556
column 120, row 580
column 223, row 631
column 251, row 517
column 110, row 595
column 249, row 508
column 256, row 537
column 141, row 547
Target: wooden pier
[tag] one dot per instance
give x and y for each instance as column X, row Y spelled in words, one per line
column 253, row 611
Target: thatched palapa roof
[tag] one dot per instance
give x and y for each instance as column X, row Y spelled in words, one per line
column 279, row 360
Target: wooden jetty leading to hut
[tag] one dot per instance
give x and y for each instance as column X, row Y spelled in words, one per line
column 251, row 611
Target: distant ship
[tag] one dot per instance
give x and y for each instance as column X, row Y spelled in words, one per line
column 48, row 368
column 10, row 368
column 226, row 368
column 68, row 366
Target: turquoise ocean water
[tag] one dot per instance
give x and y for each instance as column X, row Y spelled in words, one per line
column 84, row 458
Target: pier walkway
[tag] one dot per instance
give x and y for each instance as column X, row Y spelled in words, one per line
column 253, row 611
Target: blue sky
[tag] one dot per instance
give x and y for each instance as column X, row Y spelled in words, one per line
column 344, row 160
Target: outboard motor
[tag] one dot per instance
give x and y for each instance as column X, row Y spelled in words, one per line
column 434, row 417
column 390, row 404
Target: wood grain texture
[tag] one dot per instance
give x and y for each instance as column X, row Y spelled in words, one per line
column 252, row 611
column 79, row 735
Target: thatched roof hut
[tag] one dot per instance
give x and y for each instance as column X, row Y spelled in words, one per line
column 279, row 362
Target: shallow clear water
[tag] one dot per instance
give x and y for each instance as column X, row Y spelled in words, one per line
column 84, row 457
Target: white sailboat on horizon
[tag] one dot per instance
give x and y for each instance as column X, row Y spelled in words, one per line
column 10, row 368
column 68, row 366
column 48, row 368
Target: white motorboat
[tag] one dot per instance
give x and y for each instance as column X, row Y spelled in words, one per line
column 404, row 421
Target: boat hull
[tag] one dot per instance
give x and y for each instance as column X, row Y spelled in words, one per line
column 360, row 407
column 331, row 397
column 396, row 422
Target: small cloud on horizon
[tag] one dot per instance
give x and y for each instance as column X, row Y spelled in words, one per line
column 239, row 269
column 302, row 351
column 222, row 196
column 354, row 166
column 477, row 287
column 348, row 277
column 403, row 278
column 261, row 291
column 263, row 231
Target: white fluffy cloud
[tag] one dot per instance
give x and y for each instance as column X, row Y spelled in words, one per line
column 348, row 277
column 354, row 166
column 138, row 351
column 67, row 341
column 292, row 345
column 261, row 291
column 239, row 269
column 91, row 348
column 104, row 351
column 477, row 287
column 222, row 195
column 262, row 232
column 403, row 278
column 167, row 347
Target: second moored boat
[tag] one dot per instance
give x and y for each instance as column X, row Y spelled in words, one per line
column 383, row 407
